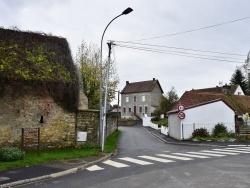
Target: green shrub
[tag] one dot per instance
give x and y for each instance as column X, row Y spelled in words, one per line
column 155, row 118
column 11, row 154
column 220, row 130
column 201, row 132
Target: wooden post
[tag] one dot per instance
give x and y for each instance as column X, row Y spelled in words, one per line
column 22, row 140
column 38, row 144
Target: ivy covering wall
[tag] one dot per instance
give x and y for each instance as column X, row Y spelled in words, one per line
column 41, row 61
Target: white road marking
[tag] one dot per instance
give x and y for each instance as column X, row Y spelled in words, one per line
column 140, row 162
column 236, row 145
column 234, row 151
column 189, row 155
column 94, row 168
column 240, row 149
column 115, row 164
column 175, row 157
column 219, row 152
column 156, row 159
column 209, row 154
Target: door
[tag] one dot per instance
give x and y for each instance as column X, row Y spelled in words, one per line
column 134, row 109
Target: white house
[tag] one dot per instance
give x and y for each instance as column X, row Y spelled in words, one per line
column 204, row 108
column 206, row 115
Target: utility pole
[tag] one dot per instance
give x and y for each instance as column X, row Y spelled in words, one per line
column 106, row 97
column 118, row 92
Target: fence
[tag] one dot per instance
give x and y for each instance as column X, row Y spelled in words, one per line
column 188, row 129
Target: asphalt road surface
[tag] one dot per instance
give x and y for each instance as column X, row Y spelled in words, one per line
column 143, row 161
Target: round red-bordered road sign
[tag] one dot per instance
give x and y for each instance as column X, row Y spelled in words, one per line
column 181, row 108
column 181, row 115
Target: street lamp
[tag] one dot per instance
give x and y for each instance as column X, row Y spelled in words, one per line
column 103, row 110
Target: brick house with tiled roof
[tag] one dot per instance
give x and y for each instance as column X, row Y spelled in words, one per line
column 139, row 98
column 204, row 108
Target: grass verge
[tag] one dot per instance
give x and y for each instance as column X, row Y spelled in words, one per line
column 31, row 158
column 87, row 150
column 111, row 142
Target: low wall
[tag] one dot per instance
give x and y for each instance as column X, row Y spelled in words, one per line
column 164, row 130
column 127, row 122
column 88, row 121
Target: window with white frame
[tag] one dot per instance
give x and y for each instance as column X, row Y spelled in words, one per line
column 127, row 99
column 143, row 98
column 134, row 98
column 146, row 109
column 124, row 109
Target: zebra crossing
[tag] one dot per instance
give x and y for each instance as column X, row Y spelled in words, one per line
column 170, row 157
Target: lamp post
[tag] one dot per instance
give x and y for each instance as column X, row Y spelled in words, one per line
column 103, row 110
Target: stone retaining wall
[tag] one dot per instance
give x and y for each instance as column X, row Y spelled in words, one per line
column 58, row 127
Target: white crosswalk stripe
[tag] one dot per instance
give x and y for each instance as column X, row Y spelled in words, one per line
column 219, row 152
column 240, row 149
column 156, row 159
column 203, row 154
column 115, row 164
column 190, row 155
column 136, row 161
column 174, row 157
column 236, row 145
column 209, row 154
column 94, row 168
column 234, row 151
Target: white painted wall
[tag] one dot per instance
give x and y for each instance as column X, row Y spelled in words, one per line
column 146, row 121
column 199, row 117
column 174, row 126
column 164, row 130
column 239, row 90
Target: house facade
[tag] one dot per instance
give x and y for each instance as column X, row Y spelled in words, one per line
column 140, row 98
column 199, row 116
column 205, row 108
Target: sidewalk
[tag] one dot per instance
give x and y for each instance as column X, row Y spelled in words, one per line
column 23, row 175
column 169, row 140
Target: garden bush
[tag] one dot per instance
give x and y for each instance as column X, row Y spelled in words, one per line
column 155, row 119
column 11, row 154
column 220, row 130
column 201, row 132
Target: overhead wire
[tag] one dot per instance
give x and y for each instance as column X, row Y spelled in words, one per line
column 200, row 56
column 184, row 52
column 193, row 30
column 178, row 48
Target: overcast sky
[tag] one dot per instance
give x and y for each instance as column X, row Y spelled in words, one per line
column 78, row 20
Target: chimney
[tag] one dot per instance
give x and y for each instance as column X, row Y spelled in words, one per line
column 127, row 82
column 153, row 79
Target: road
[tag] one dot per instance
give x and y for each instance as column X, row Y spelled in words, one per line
column 143, row 161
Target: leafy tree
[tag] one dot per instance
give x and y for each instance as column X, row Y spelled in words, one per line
column 246, row 68
column 239, row 78
column 167, row 102
column 87, row 59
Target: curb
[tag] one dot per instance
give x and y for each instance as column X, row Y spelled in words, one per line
column 58, row 174
column 175, row 143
